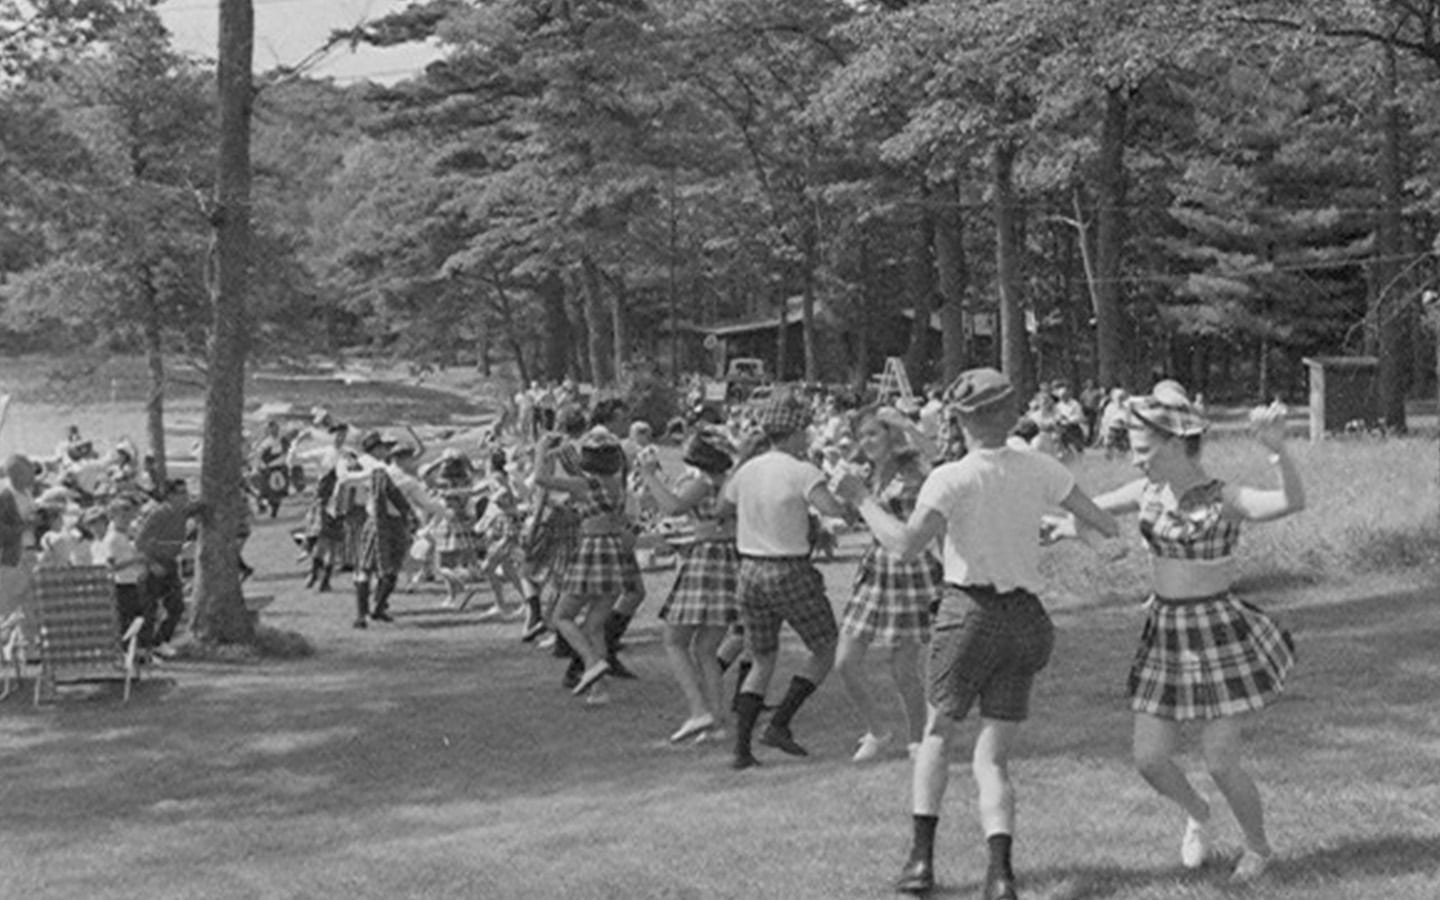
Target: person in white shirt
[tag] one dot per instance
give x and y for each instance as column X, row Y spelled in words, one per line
column 116, row 551
column 772, row 494
column 991, row 635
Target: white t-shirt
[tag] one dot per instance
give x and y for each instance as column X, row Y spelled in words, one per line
column 992, row 500
column 116, row 549
column 772, row 507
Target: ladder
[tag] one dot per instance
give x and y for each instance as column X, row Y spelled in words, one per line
column 894, row 381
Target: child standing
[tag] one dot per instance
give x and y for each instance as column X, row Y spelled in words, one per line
column 116, row 550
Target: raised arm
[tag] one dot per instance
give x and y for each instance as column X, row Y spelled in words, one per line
column 1254, row 504
column 692, row 492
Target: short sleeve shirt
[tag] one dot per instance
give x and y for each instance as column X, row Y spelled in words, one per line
column 772, row 507
column 992, row 500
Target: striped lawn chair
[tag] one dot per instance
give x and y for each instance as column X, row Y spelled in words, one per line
column 12, row 653
column 78, row 628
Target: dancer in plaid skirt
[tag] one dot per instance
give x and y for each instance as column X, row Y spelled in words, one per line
column 991, row 636
column 1204, row 654
column 604, row 565
column 892, row 595
column 772, row 493
column 701, row 605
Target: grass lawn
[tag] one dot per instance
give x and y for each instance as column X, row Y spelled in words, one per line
column 439, row 757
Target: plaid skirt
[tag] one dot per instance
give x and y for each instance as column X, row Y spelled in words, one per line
column 384, row 547
column 705, row 586
column 1218, row 656
column 891, row 598
column 456, row 545
column 602, row 566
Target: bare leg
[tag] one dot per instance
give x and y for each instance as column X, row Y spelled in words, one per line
column 931, row 773
column 995, row 793
column 1154, row 750
column 705, row 648
column 677, row 648
column 1221, row 741
column 851, row 664
column 566, row 612
column 905, row 669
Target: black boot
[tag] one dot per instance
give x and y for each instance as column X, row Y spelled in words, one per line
column 383, row 590
column 325, row 578
column 534, row 621
column 316, row 567
column 615, row 627
column 362, row 603
column 573, row 672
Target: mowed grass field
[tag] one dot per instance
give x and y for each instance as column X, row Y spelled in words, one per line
column 439, row 757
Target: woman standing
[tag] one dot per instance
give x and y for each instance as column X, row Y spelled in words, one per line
column 1204, row 654
column 603, row 567
column 701, row 605
column 892, row 596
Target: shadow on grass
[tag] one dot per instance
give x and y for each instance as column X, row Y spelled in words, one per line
column 1387, row 856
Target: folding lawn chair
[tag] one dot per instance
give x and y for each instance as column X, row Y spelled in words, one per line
column 12, row 652
column 78, row 625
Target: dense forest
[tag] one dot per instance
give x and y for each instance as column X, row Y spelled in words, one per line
column 1108, row 189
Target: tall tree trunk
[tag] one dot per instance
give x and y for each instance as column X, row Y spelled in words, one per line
column 922, row 293
column 1015, row 350
column 557, row 325
column 220, row 614
column 619, row 323
column 781, row 336
column 155, row 362
column 592, row 307
column 953, row 277
column 807, row 298
column 1110, row 241
column 1390, row 305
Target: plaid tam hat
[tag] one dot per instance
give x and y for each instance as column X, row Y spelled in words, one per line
column 781, row 415
column 1168, row 410
column 979, row 389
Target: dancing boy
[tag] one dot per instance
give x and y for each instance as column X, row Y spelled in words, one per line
column 991, row 635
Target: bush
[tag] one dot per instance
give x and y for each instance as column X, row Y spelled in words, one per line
column 651, row 398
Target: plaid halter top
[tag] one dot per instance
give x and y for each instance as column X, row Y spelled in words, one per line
column 1190, row 527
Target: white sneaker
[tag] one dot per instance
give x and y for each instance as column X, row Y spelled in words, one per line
column 871, row 746
column 1195, row 845
column 597, row 696
column 165, row 651
column 1251, row 866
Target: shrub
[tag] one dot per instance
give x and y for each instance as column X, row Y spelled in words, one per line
column 651, row 398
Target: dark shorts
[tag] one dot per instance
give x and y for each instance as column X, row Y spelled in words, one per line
column 987, row 646
column 774, row 592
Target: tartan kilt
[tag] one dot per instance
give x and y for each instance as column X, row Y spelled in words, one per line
column 549, row 542
column 352, row 530
column 1204, row 660
column 891, row 598
column 384, row 546
column 705, row 588
column 603, row 566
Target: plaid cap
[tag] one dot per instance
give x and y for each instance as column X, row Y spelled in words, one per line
column 979, row 389
column 1168, row 410
column 373, row 441
column 709, row 449
column 782, row 414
